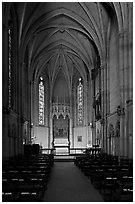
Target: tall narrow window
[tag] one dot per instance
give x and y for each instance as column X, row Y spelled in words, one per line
column 9, row 67
column 80, row 103
column 41, row 101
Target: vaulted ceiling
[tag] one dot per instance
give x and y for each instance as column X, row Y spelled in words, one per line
column 63, row 37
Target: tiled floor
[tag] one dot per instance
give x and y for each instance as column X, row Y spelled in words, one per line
column 68, row 184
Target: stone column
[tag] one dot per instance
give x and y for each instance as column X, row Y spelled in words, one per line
column 125, row 87
column 30, row 110
column 20, row 101
column 50, row 135
column 32, row 102
column 126, row 82
column 130, row 54
column 71, row 139
column 121, row 75
column 128, row 68
column 104, row 120
column 103, row 129
column 86, row 110
column 34, row 108
column 130, row 65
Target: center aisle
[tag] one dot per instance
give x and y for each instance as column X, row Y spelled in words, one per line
column 68, row 184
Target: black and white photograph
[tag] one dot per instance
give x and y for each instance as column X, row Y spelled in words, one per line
column 67, row 101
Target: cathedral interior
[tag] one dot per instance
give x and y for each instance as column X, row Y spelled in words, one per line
column 67, row 100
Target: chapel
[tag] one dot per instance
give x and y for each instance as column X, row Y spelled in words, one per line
column 67, row 101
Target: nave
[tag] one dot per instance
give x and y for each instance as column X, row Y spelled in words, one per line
column 67, row 88
column 87, row 178
column 40, row 179
column 68, row 184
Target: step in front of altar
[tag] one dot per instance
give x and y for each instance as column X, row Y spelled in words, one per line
column 64, row 158
column 61, row 146
column 61, row 151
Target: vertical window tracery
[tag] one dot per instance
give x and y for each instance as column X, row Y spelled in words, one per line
column 41, row 101
column 80, row 103
column 9, row 67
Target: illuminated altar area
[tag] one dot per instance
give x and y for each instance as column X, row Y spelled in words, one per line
column 62, row 109
column 61, row 117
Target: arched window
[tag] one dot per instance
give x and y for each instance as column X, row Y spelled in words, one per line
column 9, row 68
column 41, row 101
column 80, row 103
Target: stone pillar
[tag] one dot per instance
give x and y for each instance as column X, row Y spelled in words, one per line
column 93, row 129
column 50, row 136
column 121, row 75
column 35, row 103
column 30, row 124
column 86, row 112
column 130, row 54
column 103, row 129
column 130, row 65
column 32, row 102
column 71, row 138
column 125, row 84
column 90, row 135
column 20, row 101
column 104, row 121
column 34, row 115
column 89, row 110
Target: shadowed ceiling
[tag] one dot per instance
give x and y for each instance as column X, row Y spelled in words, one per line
column 62, row 36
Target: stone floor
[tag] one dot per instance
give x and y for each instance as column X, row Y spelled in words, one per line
column 68, row 184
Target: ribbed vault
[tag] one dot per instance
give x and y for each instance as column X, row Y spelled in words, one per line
column 66, row 35
column 83, row 51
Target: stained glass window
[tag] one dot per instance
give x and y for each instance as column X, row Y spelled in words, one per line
column 9, row 67
column 80, row 102
column 41, row 101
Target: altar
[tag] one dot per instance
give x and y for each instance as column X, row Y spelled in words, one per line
column 61, row 142
column 61, row 146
